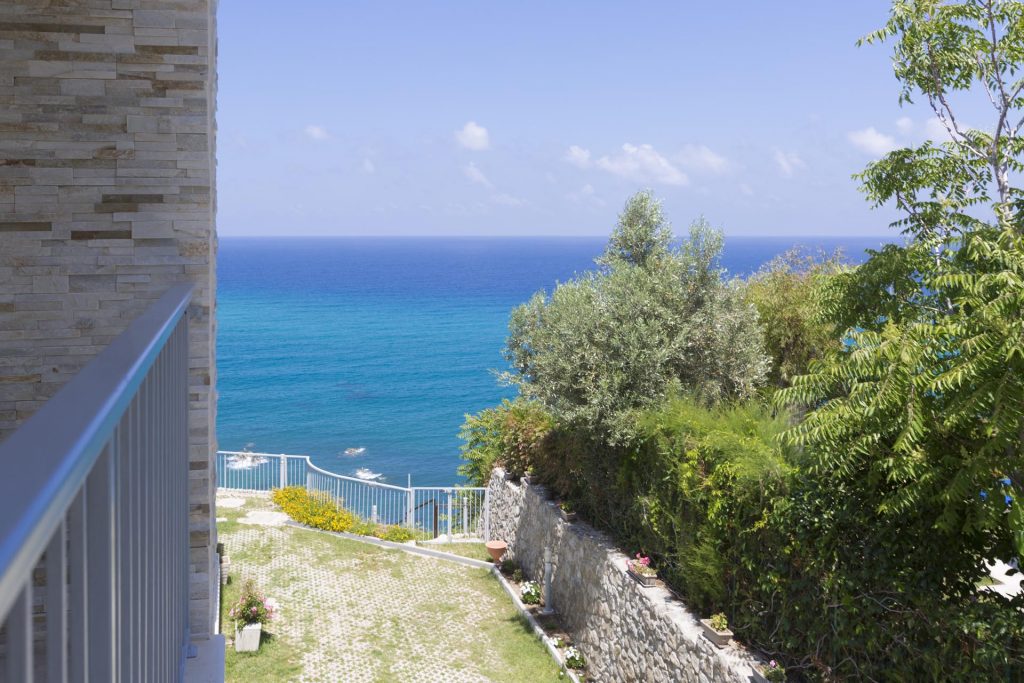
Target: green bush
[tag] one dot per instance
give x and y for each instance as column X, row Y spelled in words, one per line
column 789, row 294
column 798, row 560
column 509, row 436
column 395, row 533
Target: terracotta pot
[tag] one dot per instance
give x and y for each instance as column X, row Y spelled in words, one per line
column 496, row 549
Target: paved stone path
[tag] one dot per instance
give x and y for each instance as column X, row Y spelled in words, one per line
column 355, row 612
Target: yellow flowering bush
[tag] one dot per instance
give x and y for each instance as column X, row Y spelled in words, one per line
column 319, row 510
column 313, row 509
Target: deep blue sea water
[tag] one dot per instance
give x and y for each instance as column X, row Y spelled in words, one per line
column 384, row 344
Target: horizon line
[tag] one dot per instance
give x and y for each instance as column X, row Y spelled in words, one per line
column 559, row 236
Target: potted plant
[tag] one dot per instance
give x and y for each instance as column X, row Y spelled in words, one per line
column 566, row 511
column 716, row 629
column 772, row 673
column 574, row 659
column 641, row 570
column 250, row 613
column 530, row 592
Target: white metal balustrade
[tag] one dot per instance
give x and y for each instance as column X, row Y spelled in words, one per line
column 94, row 538
column 452, row 512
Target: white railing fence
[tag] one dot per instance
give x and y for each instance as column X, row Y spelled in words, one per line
column 94, row 538
column 447, row 513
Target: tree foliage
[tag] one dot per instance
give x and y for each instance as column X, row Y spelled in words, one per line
column 927, row 399
column 652, row 320
column 508, row 436
column 789, row 295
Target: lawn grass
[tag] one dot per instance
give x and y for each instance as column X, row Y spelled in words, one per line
column 475, row 551
column 274, row 661
column 351, row 604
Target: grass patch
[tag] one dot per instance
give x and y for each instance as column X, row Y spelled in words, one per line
column 340, row 596
column 276, row 660
column 475, row 551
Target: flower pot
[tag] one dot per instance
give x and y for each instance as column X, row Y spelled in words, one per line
column 717, row 638
column 247, row 638
column 496, row 549
column 646, row 581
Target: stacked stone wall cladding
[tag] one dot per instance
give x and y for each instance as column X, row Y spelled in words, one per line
column 626, row 632
column 106, row 200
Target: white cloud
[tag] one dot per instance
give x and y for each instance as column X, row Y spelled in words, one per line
column 473, row 136
column 578, row 156
column 871, row 141
column 586, row 195
column 369, row 166
column 476, row 175
column 642, row 163
column 702, row 158
column 314, row 132
column 507, row 200
column 905, row 125
column 936, row 130
column 788, row 162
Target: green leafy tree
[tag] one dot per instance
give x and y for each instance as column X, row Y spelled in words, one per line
column 652, row 321
column 789, row 295
column 926, row 402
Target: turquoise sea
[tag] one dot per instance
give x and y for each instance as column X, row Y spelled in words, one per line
column 326, row 344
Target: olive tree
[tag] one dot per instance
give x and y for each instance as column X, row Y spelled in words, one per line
column 652, row 320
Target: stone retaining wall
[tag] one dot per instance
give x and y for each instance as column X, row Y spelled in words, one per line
column 625, row 631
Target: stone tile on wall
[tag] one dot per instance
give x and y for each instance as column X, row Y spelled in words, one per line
column 106, row 199
column 626, row 632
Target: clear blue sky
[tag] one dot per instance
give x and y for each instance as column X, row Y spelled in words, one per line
column 540, row 118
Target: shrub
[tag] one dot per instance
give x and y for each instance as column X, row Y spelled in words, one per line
column 319, row 510
column 509, row 436
column 394, row 533
column 774, row 673
column 799, row 559
column 315, row 509
column 252, row 606
column 789, row 294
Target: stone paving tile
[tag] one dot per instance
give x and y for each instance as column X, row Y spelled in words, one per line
column 348, row 611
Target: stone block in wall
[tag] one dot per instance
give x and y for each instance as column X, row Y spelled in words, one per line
column 625, row 631
column 106, row 200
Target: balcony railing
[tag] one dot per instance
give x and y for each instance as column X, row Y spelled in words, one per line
column 94, row 538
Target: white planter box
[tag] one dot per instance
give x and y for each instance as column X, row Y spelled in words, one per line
column 719, row 638
column 247, row 638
